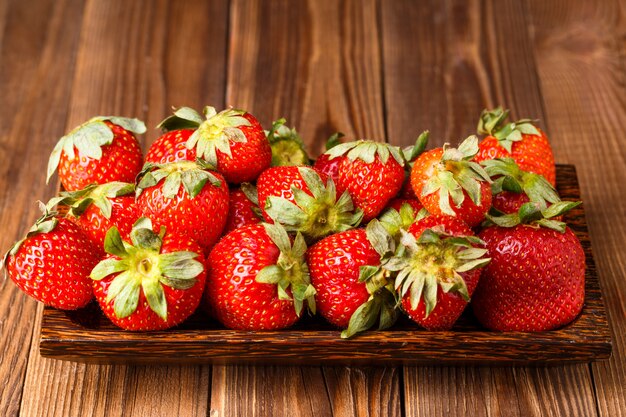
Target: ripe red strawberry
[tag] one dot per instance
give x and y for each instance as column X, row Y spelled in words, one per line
column 97, row 208
column 304, row 200
column 325, row 164
column 186, row 198
column 101, row 150
column 257, row 279
column 371, row 172
column 287, row 146
column 513, row 187
column 52, row 263
column 447, row 181
column 536, row 279
column 152, row 284
column 232, row 141
column 411, row 154
column 521, row 140
column 438, row 270
column 243, row 207
column 350, row 284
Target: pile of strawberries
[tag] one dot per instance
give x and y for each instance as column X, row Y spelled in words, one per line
column 224, row 215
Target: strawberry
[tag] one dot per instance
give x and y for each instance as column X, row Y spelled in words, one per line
column 52, row 263
column 243, row 207
column 304, row 200
column 521, row 140
column 325, row 164
column 101, row 150
column 410, row 155
column 536, row 279
column 400, row 215
column 232, row 141
column 287, row 146
column 437, row 271
column 257, row 279
column 397, row 203
column 153, row 283
column 97, row 208
column 444, row 178
column 371, row 172
column 352, row 289
column 186, row 198
column 513, row 187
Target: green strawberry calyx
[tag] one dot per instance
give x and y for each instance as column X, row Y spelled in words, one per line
column 89, row 138
column 290, row 271
column 141, row 266
column 535, row 214
column 251, row 193
column 395, row 220
column 455, row 173
column 509, row 177
column 318, row 215
column 287, row 146
column 366, row 151
column 491, row 122
column 380, row 307
column 411, row 153
column 99, row 195
column 44, row 224
column 333, row 140
column 434, row 260
column 192, row 176
column 215, row 132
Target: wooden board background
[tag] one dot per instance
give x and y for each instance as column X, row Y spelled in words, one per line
column 378, row 69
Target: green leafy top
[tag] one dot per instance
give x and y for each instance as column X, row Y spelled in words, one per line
column 318, row 215
column 395, row 220
column 290, row 271
column 215, row 132
column 89, row 138
column 141, row 266
column 191, row 175
column 491, row 122
column 287, row 146
column 366, row 151
column 509, row 177
column 79, row 201
column 412, row 152
column 434, row 260
column 536, row 215
column 44, row 224
column 457, row 172
column 381, row 304
column 334, row 140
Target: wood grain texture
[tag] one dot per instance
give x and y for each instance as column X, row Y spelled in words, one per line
column 317, row 63
column 580, row 53
column 462, row 57
column 36, row 69
column 124, row 67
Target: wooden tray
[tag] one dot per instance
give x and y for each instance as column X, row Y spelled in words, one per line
column 87, row 336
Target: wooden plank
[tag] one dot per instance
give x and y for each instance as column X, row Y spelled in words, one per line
column 36, row 66
column 445, row 61
column 579, row 48
column 130, row 63
column 317, row 63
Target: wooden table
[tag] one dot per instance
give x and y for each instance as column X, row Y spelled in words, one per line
column 382, row 70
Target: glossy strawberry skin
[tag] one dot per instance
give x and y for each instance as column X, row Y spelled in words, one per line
column 470, row 213
column 201, row 218
column 534, row 282
column 533, row 153
column 334, row 264
column 371, row 186
column 180, row 303
column 233, row 295
column 277, row 181
column 450, row 305
column 121, row 161
column 330, row 167
column 248, row 159
column 240, row 211
column 124, row 213
column 54, row 267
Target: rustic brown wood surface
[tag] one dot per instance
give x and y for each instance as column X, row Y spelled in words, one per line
column 382, row 69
